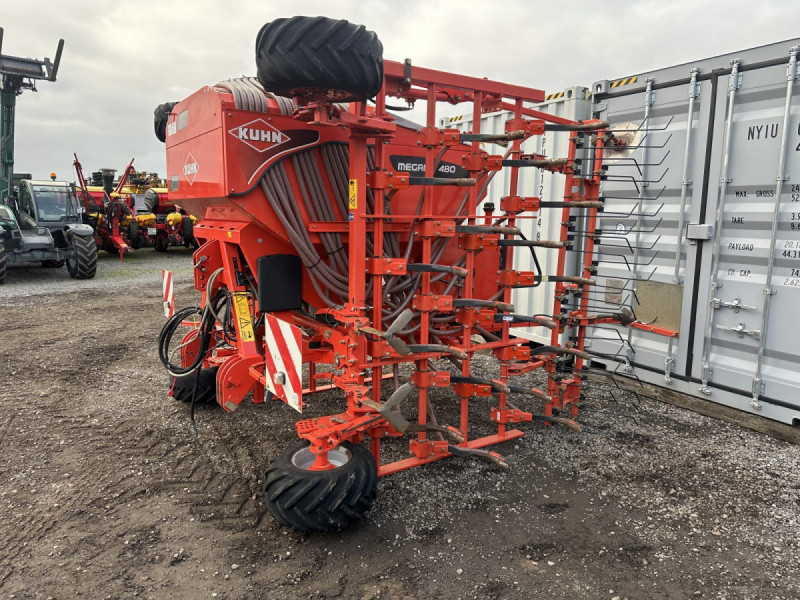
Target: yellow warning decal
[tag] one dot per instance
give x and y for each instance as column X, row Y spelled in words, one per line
column 352, row 195
column 243, row 316
column 456, row 119
column 621, row 82
column 555, row 96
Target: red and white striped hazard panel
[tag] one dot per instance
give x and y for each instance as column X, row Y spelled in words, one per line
column 167, row 291
column 284, row 361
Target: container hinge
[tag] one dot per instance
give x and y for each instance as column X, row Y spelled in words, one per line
column 736, row 305
column 759, row 388
column 649, row 94
column 735, row 80
column 742, row 331
column 669, row 368
column 694, row 85
column 791, row 68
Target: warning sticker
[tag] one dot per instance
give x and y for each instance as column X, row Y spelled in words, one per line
column 243, row 316
column 353, row 194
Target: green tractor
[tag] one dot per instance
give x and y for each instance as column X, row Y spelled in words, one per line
column 40, row 221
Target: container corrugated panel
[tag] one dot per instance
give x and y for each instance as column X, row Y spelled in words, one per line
column 700, row 208
column 573, row 103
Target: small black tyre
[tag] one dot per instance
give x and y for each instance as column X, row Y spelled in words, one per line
column 321, row 500
column 161, row 243
column 317, row 54
column 182, row 387
column 83, row 262
column 160, row 117
column 134, row 239
column 2, row 261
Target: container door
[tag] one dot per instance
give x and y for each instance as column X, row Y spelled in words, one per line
column 747, row 327
column 653, row 189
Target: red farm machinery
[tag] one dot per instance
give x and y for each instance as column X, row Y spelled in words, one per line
column 343, row 244
column 132, row 212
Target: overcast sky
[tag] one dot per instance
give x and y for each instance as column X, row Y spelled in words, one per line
column 123, row 58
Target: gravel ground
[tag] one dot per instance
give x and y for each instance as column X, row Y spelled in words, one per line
column 106, row 494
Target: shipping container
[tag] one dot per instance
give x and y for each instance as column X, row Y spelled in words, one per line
column 700, row 230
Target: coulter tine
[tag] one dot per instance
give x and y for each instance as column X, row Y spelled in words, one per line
column 422, row 348
column 573, row 425
column 457, row 271
column 399, row 346
column 403, row 319
column 530, row 392
column 397, row 397
column 494, row 457
column 467, row 303
column 441, row 181
column 479, row 229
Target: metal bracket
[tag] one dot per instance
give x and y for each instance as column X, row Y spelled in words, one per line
column 736, row 305
column 697, row 231
column 742, row 331
column 759, row 388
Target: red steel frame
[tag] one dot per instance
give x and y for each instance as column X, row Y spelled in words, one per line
column 360, row 361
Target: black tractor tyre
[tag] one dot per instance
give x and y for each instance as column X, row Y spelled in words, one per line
column 321, row 500
column 161, row 243
column 2, row 261
column 52, row 264
column 187, row 232
column 83, row 262
column 134, row 239
column 182, row 387
column 316, row 54
column 160, row 116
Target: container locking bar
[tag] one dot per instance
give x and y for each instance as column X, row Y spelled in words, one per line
column 736, row 305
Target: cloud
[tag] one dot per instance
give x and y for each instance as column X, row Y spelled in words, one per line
column 122, row 59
